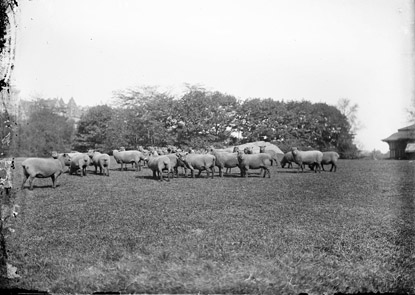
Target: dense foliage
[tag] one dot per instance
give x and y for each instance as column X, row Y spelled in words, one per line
column 198, row 119
column 45, row 130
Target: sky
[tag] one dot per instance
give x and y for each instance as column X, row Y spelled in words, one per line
column 315, row 50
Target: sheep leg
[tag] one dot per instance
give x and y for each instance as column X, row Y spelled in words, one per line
column 210, row 170
column 24, row 180
column 200, row 171
column 31, row 179
column 333, row 166
column 244, row 172
column 266, row 170
column 160, row 172
column 54, row 177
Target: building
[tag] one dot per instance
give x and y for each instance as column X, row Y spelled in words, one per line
column 402, row 143
column 69, row 110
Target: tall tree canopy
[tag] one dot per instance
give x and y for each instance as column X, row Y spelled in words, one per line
column 44, row 131
column 201, row 118
column 93, row 128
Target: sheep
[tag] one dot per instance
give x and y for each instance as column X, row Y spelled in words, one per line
column 302, row 158
column 272, row 153
column 225, row 160
column 330, row 158
column 130, row 156
column 200, row 162
column 235, row 150
column 287, row 159
column 79, row 161
column 254, row 161
column 249, row 150
column 175, row 163
column 100, row 160
column 44, row 168
column 158, row 164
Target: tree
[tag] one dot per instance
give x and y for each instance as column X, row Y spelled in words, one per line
column 44, row 132
column 93, row 128
column 260, row 119
column 411, row 112
column 350, row 111
column 151, row 116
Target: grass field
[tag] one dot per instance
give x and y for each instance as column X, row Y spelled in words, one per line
column 349, row 231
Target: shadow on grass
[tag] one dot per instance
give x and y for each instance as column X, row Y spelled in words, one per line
column 150, row 177
column 40, row 186
column 229, row 175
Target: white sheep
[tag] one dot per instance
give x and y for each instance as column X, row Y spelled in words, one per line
column 158, row 164
column 200, row 162
column 44, row 168
column 176, row 163
column 330, row 158
column 225, row 160
column 272, row 153
column 100, row 160
column 312, row 158
column 254, row 161
column 79, row 161
column 130, row 156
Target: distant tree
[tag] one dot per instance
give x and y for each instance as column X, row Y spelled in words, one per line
column 150, row 116
column 411, row 111
column 206, row 117
column 44, row 131
column 93, row 128
column 350, row 110
column 261, row 119
column 117, row 131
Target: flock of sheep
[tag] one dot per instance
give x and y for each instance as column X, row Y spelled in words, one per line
column 171, row 160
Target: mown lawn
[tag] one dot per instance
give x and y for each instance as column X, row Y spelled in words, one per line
column 349, row 231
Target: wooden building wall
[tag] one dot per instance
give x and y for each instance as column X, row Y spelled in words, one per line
column 397, row 150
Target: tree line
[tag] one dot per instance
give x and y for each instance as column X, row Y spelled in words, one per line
column 198, row 119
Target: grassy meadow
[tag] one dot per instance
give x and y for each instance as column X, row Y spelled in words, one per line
column 349, row 231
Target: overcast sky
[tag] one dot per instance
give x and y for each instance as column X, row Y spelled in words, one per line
column 317, row 50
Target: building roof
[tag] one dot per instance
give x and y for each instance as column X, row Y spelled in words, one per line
column 406, row 133
column 408, row 128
